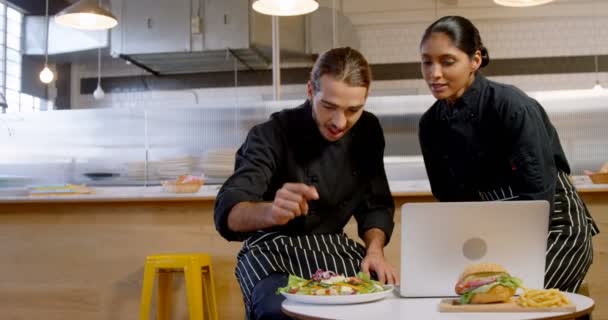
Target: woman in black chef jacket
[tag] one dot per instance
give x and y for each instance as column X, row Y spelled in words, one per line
column 484, row 141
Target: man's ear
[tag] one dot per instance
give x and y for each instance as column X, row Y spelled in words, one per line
column 310, row 92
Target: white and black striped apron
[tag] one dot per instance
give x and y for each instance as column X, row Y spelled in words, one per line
column 570, row 251
column 571, row 227
column 302, row 256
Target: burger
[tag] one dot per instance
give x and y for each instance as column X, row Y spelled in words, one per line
column 486, row 283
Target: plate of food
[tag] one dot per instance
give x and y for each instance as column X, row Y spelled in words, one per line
column 488, row 287
column 327, row 287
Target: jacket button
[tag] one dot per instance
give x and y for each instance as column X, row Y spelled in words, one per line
column 355, row 173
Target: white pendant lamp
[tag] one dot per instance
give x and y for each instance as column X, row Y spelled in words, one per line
column 285, row 7
column 98, row 94
column 597, row 86
column 46, row 75
column 87, row 15
column 521, row 3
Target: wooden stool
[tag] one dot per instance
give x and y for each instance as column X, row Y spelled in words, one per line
column 199, row 285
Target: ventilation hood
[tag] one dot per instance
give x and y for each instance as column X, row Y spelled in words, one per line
column 239, row 39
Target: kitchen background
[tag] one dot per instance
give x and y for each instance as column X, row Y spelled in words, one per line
column 185, row 80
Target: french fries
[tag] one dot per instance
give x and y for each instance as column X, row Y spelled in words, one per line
column 542, row 298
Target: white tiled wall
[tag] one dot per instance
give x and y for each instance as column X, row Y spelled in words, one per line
column 508, row 38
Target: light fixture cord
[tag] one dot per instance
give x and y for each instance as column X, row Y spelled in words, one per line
column 98, row 66
column 593, row 36
column 46, row 34
column 99, row 58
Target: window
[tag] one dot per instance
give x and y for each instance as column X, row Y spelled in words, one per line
column 11, row 38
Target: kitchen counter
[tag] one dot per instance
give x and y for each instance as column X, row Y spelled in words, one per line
column 82, row 257
column 409, row 188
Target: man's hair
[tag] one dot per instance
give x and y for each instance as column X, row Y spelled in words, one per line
column 343, row 64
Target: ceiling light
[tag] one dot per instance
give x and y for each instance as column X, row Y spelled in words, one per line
column 598, row 87
column 46, row 75
column 98, row 94
column 521, row 3
column 87, row 15
column 285, row 7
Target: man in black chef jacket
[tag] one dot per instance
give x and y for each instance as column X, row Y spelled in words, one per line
column 299, row 177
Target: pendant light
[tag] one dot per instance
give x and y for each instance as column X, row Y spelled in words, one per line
column 521, row 3
column 87, row 15
column 285, row 7
column 276, row 8
column 98, row 94
column 46, row 75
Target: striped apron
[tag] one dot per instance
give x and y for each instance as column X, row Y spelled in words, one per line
column 266, row 253
column 569, row 248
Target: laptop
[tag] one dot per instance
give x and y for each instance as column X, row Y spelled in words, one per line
column 438, row 240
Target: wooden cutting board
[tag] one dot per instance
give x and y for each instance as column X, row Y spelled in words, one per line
column 452, row 305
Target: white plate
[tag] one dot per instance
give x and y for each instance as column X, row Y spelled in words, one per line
column 347, row 299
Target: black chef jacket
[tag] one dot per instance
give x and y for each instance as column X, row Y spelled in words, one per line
column 494, row 143
column 348, row 174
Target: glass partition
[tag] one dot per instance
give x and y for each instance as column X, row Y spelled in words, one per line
column 143, row 145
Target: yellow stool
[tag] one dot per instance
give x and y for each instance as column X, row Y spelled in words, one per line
column 199, row 285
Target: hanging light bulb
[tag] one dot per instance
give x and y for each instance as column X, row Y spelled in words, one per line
column 46, row 75
column 285, row 7
column 87, row 15
column 598, row 87
column 98, row 94
column 521, row 3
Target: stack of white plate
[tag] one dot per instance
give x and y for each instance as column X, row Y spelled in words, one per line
column 164, row 169
column 174, row 167
column 218, row 163
column 137, row 171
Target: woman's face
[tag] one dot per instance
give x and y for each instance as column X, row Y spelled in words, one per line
column 447, row 70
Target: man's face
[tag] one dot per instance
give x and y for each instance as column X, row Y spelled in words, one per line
column 336, row 107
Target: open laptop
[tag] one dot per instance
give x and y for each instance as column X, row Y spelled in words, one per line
column 438, row 240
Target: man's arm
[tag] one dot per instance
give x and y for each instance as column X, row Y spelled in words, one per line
column 374, row 241
column 290, row 201
column 256, row 161
column 374, row 257
column 375, row 212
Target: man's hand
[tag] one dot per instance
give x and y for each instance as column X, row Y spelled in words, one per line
column 374, row 261
column 291, row 201
column 374, row 257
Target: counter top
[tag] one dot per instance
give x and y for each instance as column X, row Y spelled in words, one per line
column 404, row 188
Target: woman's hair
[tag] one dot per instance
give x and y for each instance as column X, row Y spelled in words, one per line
column 343, row 64
column 463, row 33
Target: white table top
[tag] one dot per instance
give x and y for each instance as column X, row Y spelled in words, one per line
column 395, row 307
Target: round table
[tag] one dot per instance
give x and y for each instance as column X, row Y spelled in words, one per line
column 395, row 307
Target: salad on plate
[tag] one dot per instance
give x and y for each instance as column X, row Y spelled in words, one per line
column 329, row 283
